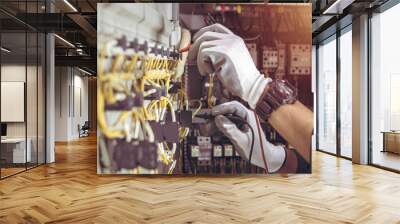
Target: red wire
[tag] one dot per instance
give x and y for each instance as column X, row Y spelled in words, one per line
column 185, row 48
column 261, row 142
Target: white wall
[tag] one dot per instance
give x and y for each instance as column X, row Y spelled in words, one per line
column 61, row 103
column 71, row 94
column 79, row 115
column 13, row 73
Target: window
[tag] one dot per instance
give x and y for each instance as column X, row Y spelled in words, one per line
column 327, row 96
column 22, row 76
column 385, row 89
column 346, row 93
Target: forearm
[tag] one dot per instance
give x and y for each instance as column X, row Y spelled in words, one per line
column 295, row 123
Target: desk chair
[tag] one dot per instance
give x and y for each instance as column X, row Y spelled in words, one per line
column 84, row 130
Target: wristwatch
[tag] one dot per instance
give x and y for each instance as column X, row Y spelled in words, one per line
column 278, row 92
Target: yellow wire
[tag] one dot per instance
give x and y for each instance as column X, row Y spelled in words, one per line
column 132, row 64
column 198, row 109
column 116, row 62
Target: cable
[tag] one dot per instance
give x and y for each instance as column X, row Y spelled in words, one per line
column 261, row 142
column 252, row 141
column 185, row 49
column 198, row 108
column 248, row 39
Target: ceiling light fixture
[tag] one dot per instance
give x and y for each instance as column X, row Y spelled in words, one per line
column 84, row 71
column 70, row 5
column 5, row 50
column 337, row 7
column 64, row 40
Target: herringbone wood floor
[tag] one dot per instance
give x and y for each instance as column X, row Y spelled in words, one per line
column 70, row 191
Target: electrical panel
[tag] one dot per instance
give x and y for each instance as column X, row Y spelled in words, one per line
column 205, row 149
column 150, row 97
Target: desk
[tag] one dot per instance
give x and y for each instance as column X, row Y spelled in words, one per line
column 391, row 141
column 13, row 150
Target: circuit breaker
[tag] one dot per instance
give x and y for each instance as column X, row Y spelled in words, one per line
column 300, row 62
column 270, row 59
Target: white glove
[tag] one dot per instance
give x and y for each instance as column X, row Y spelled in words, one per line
column 217, row 50
column 274, row 155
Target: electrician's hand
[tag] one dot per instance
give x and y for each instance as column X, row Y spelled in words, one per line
column 217, row 50
column 274, row 155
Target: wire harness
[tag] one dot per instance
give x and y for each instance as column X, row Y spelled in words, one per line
column 137, row 100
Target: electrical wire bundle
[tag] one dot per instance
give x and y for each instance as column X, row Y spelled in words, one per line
column 133, row 91
column 117, row 83
column 158, row 73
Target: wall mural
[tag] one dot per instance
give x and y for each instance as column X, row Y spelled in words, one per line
column 204, row 89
